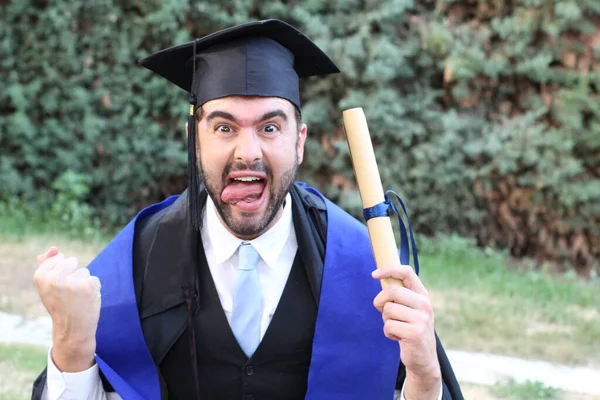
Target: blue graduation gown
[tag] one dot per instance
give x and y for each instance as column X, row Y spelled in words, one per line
column 351, row 358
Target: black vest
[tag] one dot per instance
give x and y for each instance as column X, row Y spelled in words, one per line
column 277, row 370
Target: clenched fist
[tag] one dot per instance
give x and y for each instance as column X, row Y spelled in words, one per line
column 72, row 297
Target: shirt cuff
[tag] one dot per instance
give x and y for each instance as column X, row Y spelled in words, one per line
column 401, row 397
column 71, row 385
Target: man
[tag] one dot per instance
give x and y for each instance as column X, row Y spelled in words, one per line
column 248, row 285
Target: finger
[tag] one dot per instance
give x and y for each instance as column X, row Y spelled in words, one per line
column 393, row 329
column 51, row 262
column 67, row 267
column 95, row 284
column 95, row 280
column 380, row 301
column 51, row 252
column 398, row 330
column 399, row 312
column 403, row 273
column 80, row 274
column 401, row 295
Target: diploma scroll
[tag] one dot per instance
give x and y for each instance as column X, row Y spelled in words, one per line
column 380, row 229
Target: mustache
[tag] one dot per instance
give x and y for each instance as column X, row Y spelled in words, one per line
column 257, row 166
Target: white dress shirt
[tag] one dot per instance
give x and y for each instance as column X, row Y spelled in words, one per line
column 277, row 249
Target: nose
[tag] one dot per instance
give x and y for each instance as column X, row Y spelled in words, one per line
column 248, row 148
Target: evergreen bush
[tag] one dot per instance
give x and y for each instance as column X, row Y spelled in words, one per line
column 485, row 114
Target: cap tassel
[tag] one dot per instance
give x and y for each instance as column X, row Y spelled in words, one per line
column 193, row 178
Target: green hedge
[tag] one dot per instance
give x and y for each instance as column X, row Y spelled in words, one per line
column 485, row 114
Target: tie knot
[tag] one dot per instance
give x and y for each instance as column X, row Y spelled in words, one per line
column 248, row 257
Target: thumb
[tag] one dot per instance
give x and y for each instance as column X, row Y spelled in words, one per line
column 51, row 252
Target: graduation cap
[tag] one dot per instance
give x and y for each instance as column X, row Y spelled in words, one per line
column 263, row 58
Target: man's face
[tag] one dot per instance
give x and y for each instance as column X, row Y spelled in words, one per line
column 249, row 152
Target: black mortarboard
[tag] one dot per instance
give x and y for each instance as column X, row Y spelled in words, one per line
column 263, row 58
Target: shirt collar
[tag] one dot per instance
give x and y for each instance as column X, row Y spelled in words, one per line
column 268, row 245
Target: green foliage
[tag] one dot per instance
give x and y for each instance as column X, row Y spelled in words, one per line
column 484, row 114
column 525, row 391
column 63, row 212
column 521, row 84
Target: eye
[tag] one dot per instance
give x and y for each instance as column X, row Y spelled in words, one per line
column 223, row 129
column 271, row 128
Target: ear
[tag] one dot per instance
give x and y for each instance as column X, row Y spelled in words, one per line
column 187, row 130
column 300, row 143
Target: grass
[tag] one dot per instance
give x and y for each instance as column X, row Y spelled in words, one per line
column 482, row 305
column 19, row 367
column 525, row 391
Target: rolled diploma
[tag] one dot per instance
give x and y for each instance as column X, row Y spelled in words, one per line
column 380, row 229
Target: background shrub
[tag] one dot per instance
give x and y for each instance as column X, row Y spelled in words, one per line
column 485, row 114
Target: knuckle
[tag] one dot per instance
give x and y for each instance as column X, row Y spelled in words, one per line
column 407, row 270
column 95, row 282
column 92, row 286
column 70, row 262
column 426, row 319
column 386, row 331
column 38, row 276
column 427, row 307
column 379, row 300
column 71, row 285
column 396, row 293
column 387, row 325
column 388, row 309
column 51, row 280
column 376, row 303
column 390, row 292
column 59, row 266
column 420, row 330
column 84, row 272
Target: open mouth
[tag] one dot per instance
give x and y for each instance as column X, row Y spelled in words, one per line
column 245, row 190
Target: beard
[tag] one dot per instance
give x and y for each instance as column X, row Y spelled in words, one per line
column 249, row 225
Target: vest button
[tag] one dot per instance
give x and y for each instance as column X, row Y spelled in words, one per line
column 250, row 371
column 248, row 397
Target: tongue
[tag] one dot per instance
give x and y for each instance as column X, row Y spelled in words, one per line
column 239, row 191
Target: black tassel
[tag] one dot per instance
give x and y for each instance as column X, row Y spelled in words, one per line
column 190, row 297
column 193, row 178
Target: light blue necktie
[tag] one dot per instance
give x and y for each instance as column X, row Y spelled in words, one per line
column 247, row 303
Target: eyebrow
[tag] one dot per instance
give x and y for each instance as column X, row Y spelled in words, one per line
column 273, row 114
column 230, row 117
column 220, row 114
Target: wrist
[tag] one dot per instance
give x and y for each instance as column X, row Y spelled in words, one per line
column 423, row 385
column 73, row 355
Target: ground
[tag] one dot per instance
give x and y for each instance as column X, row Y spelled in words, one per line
column 480, row 305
